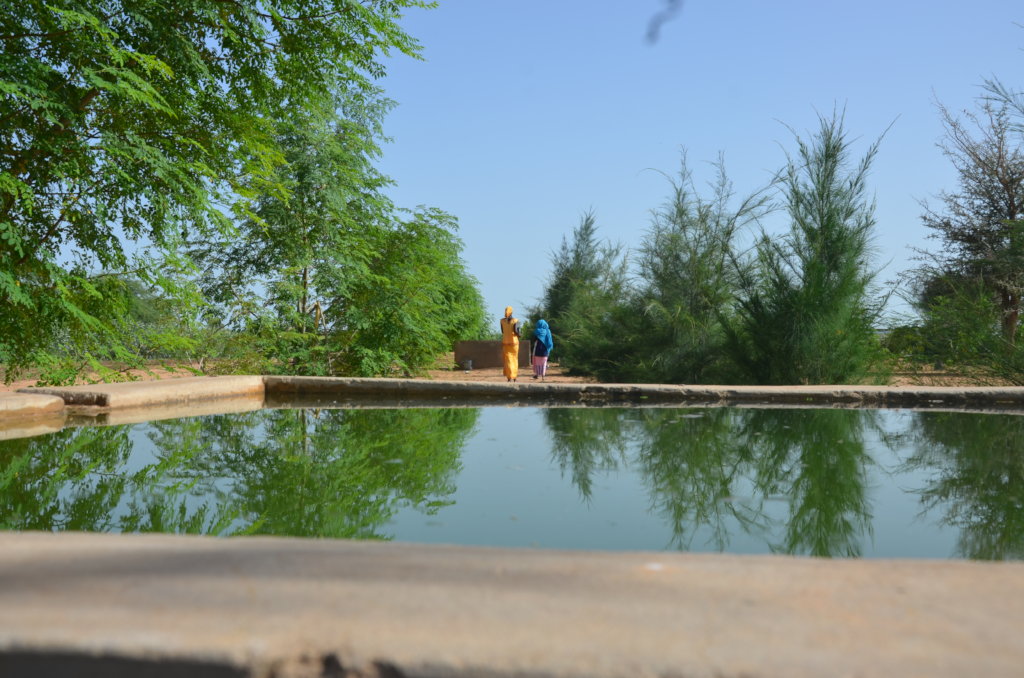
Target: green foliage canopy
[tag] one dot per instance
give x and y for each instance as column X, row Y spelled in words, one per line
column 582, row 302
column 127, row 126
column 331, row 277
column 981, row 224
column 688, row 307
column 688, row 280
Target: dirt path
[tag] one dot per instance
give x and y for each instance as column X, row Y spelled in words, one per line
column 555, row 374
column 154, row 372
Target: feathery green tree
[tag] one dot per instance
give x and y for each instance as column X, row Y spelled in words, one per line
column 805, row 312
column 575, row 266
column 583, row 302
column 687, row 280
column 329, row 277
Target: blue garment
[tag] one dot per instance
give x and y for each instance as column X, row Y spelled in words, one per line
column 542, row 335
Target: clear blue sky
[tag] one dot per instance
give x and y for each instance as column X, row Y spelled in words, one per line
column 526, row 113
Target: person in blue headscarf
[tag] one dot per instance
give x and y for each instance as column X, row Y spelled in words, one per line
column 542, row 345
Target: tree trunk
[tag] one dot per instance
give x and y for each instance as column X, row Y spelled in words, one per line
column 1011, row 316
column 303, row 303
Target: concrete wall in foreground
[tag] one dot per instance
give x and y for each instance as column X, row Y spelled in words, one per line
column 488, row 353
column 256, row 607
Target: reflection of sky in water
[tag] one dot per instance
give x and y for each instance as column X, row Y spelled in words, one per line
column 511, row 492
column 900, row 527
column 513, row 488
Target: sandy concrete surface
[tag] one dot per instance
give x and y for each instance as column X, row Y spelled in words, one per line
column 26, row 404
column 24, row 415
column 140, row 401
column 447, row 370
column 153, row 372
column 344, row 391
column 135, row 394
column 287, row 608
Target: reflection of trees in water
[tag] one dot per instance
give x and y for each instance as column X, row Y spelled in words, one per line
column 336, row 473
column 67, row 480
column 978, row 464
column 691, row 461
column 344, row 473
column 696, row 464
column 817, row 461
column 586, row 442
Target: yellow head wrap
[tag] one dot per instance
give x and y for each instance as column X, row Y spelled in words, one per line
column 508, row 311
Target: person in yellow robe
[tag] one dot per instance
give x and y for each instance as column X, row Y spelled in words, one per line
column 510, row 345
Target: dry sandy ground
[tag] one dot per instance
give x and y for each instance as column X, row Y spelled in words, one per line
column 555, row 374
column 922, row 377
column 154, row 372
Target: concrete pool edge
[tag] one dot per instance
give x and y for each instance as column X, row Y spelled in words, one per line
column 181, row 392
column 602, row 394
column 136, row 394
column 37, row 410
column 24, row 415
column 288, row 608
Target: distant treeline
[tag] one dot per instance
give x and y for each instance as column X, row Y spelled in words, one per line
column 710, row 296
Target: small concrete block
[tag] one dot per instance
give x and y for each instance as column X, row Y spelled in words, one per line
column 29, row 404
column 146, row 393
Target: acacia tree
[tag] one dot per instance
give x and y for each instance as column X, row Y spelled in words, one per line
column 128, row 124
column 981, row 227
column 269, row 279
column 416, row 301
column 330, row 277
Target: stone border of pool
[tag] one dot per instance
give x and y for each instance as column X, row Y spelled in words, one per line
column 34, row 411
column 342, row 391
column 168, row 606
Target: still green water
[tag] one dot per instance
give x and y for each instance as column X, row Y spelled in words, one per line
column 849, row 483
